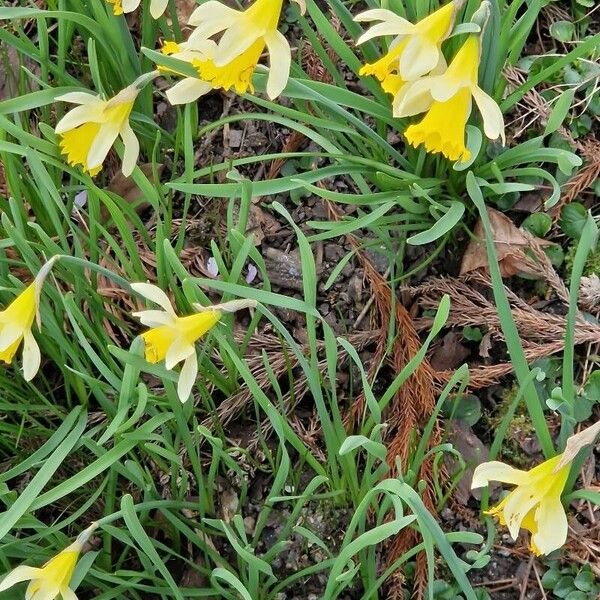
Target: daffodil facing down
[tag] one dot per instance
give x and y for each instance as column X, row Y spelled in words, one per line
column 88, row 131
column 245, row 35
column 172, row 338
column 157, row 7
column 16, row 321
column 534, row 504
column 54, row 577
column 416, row 48
column 447, row 98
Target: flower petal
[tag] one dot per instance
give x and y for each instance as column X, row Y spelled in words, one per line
column 153, row 318
column 419, row 58
column 493, row 121
column 132, row 149
column 188, row 90
column 235, row 41
column 67, row 593
column 9, row 334
column 213, row 12
column 389, row 28
column 158, row 7
column 31, row 356
column 552, row 526
column 497, row 471
column 22, row 573
column 179, row 350
column 130, row 5
column 280, row 59
column 154, row 294
column 518, row 504
column 187, row 377
column 101, row 144
column 413, row 98
column 79, row 98
column 80, row 115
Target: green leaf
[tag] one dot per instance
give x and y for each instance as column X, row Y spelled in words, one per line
column 572, row 219
column 538, row 223
column 585, row 579
column 466, row 407
column 560, row 111
column 473, row 334
column 441, row 227
column 563, row 31
column 577, row 595
column 564, row 586
column 550, row 578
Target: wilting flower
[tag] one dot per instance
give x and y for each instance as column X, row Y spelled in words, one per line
column 534, row 504
column 172, row 338
column 157, row 7
column 245, row 35
column 16, row 322
column 448, row 100
column 416, row 49
column 54, row 577
column 88, row 131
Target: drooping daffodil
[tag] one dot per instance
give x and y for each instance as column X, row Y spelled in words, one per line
column 157, row 7
column 88, row 131
column 16, row 322
column 54, row 577
column 448, row 99
column 245, row 35
column 534, row 504
column 172, row 338
column 416, row 48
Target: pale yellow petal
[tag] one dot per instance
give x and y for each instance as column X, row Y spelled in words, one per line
column 280, row 58
column 154, row 294
column 552, row 526
column 188, row 90
column 493, row 121
column 17, row 575
column 187, row 377
column 158, row 7
column 132, row 149
column 497, row 471
column 179, row 350
column 31, row 356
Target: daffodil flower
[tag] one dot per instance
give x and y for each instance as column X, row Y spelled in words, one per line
column 190, row 89
column 54, row 577
column 534, row 504
column 172, row 338
column 447, row 98
column 245, row 35
column 157, row 7
column 88, row 131
column 17, row 320
column 416, row 49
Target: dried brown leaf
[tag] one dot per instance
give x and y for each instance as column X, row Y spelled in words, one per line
column 510, row 244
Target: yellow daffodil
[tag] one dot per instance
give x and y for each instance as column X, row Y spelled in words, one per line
column 416, row 49
column 157, row 7
column 190, row 89
column 447, row 98
column 245, row 35
column 54, row 577
column 16, row 322
column 88, row 131
column 534, row 504
column 172, row 338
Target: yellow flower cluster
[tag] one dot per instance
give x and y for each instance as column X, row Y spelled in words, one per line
column 226, row 46
column 414, row 71
column 170, row 338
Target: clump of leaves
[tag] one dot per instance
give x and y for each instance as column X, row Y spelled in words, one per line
column 571, row 582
